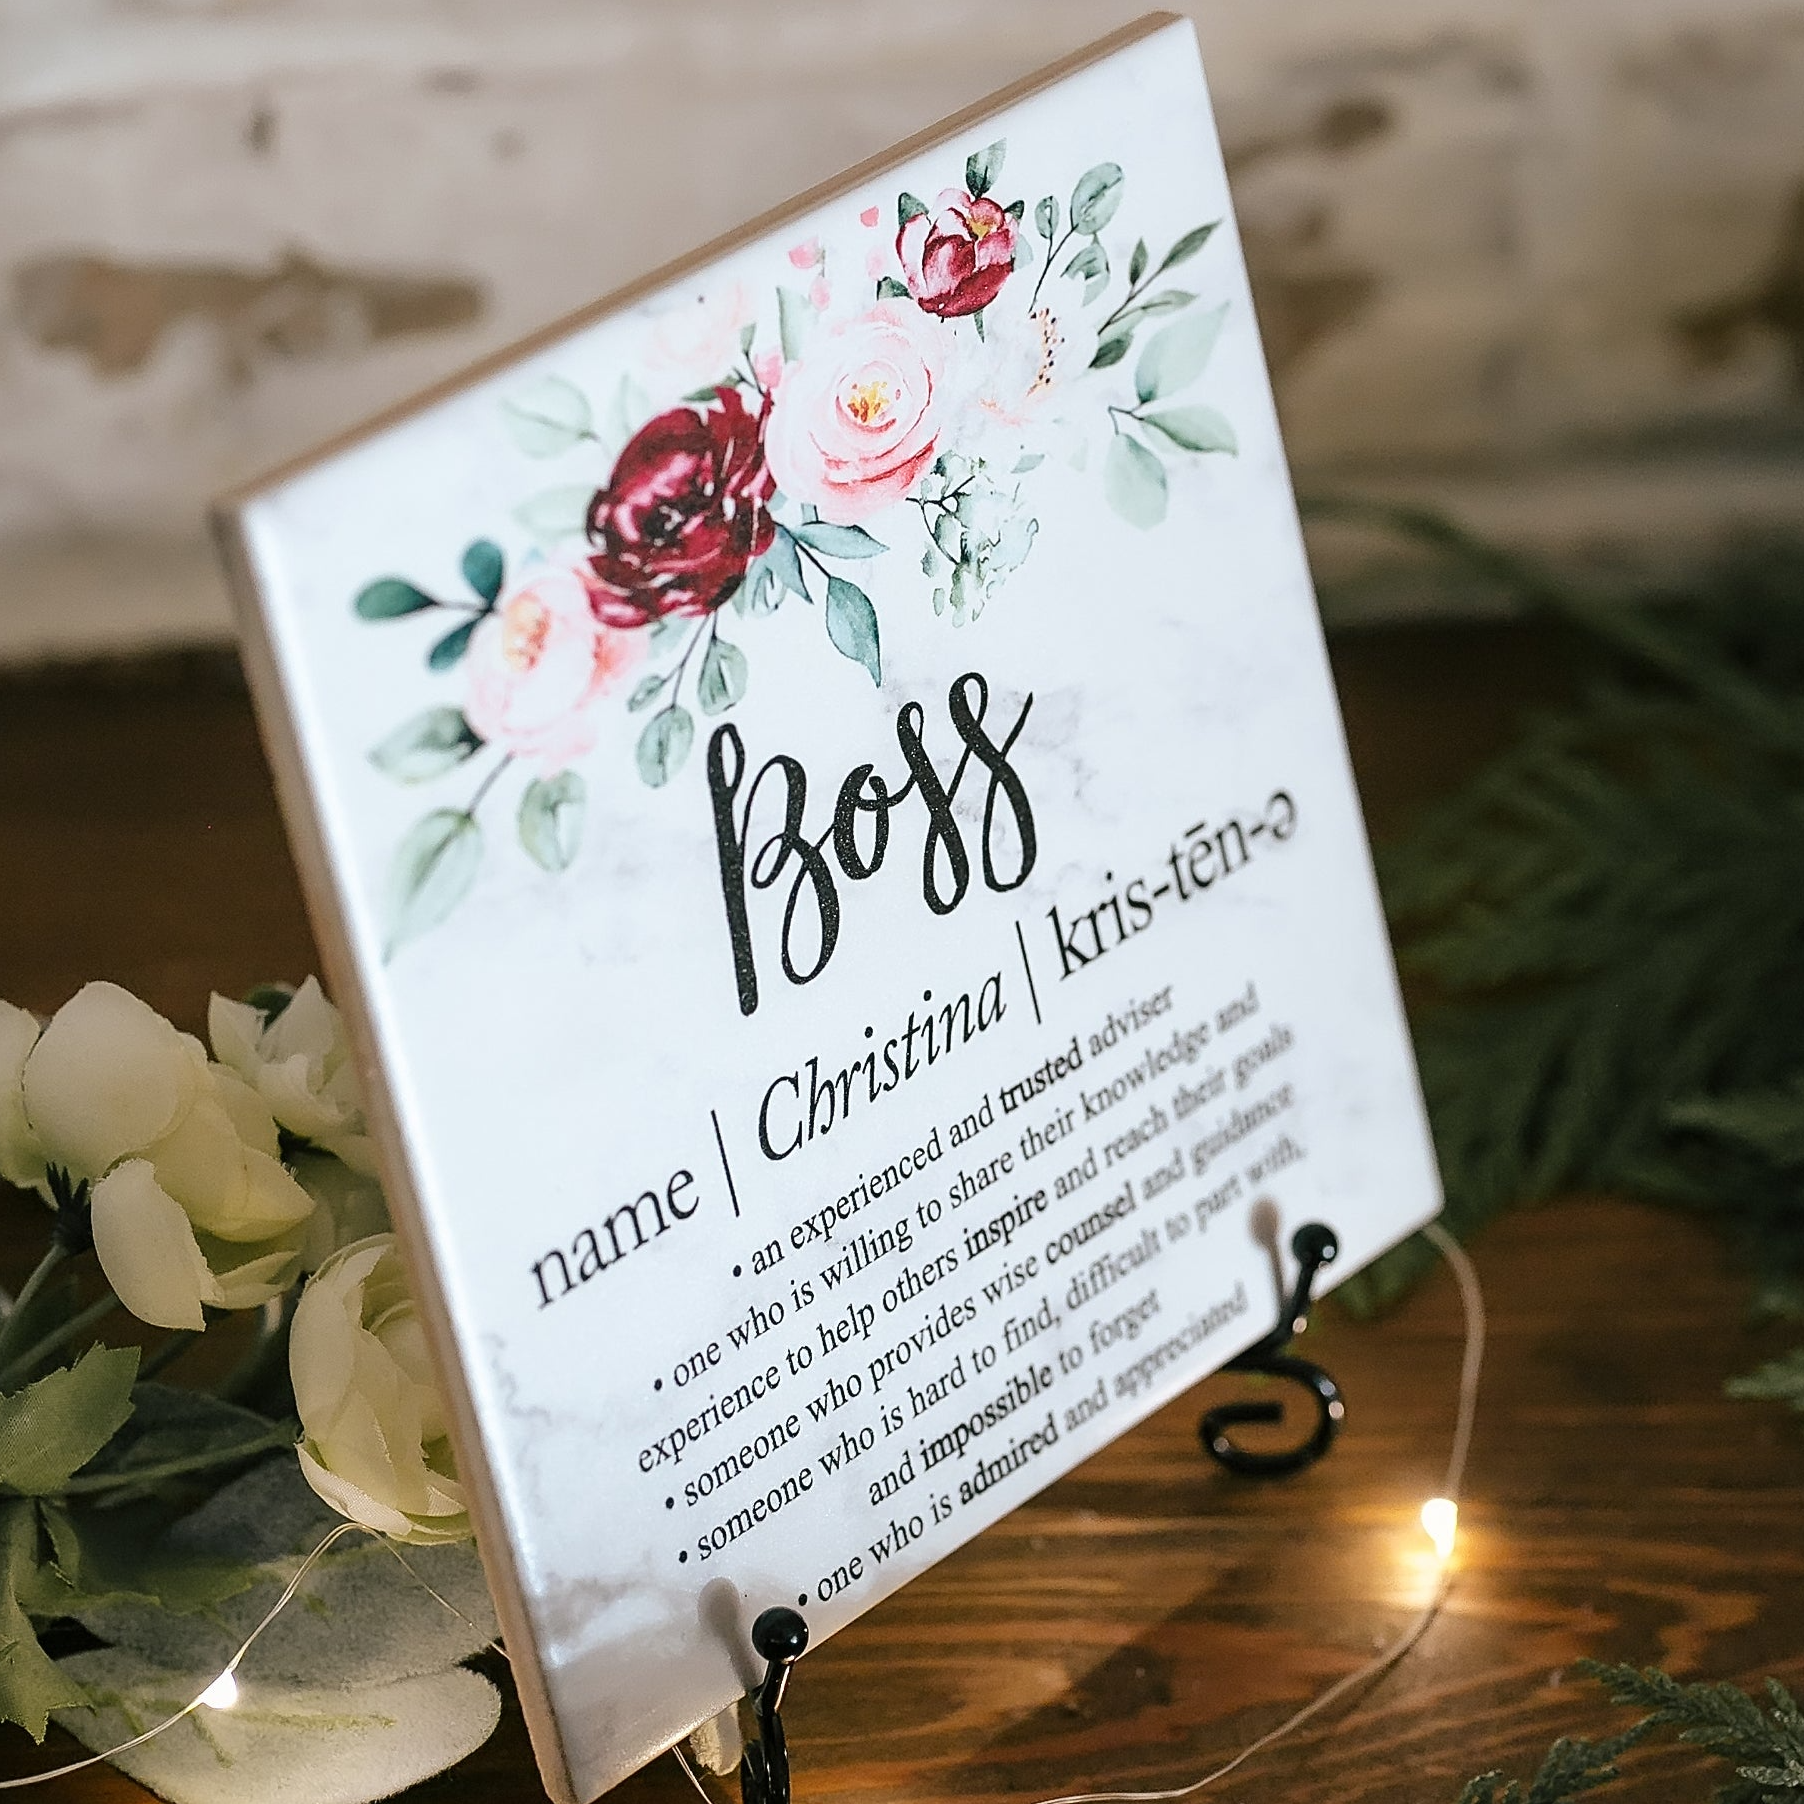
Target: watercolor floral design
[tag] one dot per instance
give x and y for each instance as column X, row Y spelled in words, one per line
column 894, row 399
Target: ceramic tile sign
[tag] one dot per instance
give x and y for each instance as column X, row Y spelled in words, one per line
column 821, row 790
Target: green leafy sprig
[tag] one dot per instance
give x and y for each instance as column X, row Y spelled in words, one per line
column 1764, row 1745
column 1605, row 928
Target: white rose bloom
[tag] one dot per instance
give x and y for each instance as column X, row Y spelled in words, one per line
column 191, row 1204
column 300, row 1064
column 351, row 1206
column 107, row 1078
column 373, row 1441
column 21, row 1154
column 207, row 1214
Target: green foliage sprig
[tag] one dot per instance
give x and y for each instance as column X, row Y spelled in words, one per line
column 1765, row 1746
column 1606, row 927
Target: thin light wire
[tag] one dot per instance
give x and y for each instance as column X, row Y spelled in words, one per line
column 1471, row 1365
column 494, row 1646
column 682, row 1760
column 1472, row 1303
column 188, row 1709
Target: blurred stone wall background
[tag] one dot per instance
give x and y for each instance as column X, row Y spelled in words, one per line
column 1538, row 261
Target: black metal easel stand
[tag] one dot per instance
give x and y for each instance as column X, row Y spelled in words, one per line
column 781, row 1636
column 1313, row 1246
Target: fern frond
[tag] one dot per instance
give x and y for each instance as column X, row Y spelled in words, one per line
column 1603, row 933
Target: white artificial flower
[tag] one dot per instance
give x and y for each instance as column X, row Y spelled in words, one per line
column 107, row 1078
column 300, row 1065
column 373, row 1439
column 206, row 1215
column 21, row 1154
column 191, row 1204
column 351, row 1206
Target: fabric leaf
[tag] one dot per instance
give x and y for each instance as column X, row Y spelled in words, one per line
column 31, row 1683
column 299, row 1745
column 51, row 1429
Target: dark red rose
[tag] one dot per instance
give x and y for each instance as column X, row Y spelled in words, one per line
column 687, row 508
column 956, row 258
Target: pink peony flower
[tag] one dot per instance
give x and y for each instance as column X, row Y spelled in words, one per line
column 858, row 416
column 955, row 260
column 536, row 663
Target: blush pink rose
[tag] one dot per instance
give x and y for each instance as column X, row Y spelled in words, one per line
column 697, row 338
column 858, row 417
column 536, row 664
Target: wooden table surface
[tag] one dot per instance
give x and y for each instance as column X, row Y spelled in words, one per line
column 1147, row 1615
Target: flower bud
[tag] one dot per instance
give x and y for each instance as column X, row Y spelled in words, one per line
column 373, row 1440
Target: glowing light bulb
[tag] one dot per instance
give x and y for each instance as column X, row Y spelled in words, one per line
column 222, row 1694
column 1440, row 1522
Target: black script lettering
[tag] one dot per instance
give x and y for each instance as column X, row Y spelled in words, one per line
column 945, row 860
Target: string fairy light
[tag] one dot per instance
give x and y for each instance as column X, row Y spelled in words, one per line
column 222, row 1692
column 1442, row 1511
column 1439, row 1518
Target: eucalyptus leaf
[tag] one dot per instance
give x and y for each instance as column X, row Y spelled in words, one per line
column 319, row 1745
column 49, row 1430
column 548, row 417
column 1095, row 198
column 431, row 872
column 1167, row 300
column 760, row 593
column 426, row 746
column 483, row 568
column 1091, row 260
column 1175, row 356
column 556, row 514
column 664, row 745
column 1195, row 428
column 1137, row 262
column 1187, row 246
column 747, row 337
column 645, row 692
column 1046, row 218
column 839, row 541
column 852, row 625
column 1111, row 350
column 983, row 166
column 785, row 562
column 1133, row 481
column 1092, row 263
column 452, row 647
column 364, row 1617
column 795, row 322
column 389, row 597
column 722, row 679
column 628, row 411
column 551, row 820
